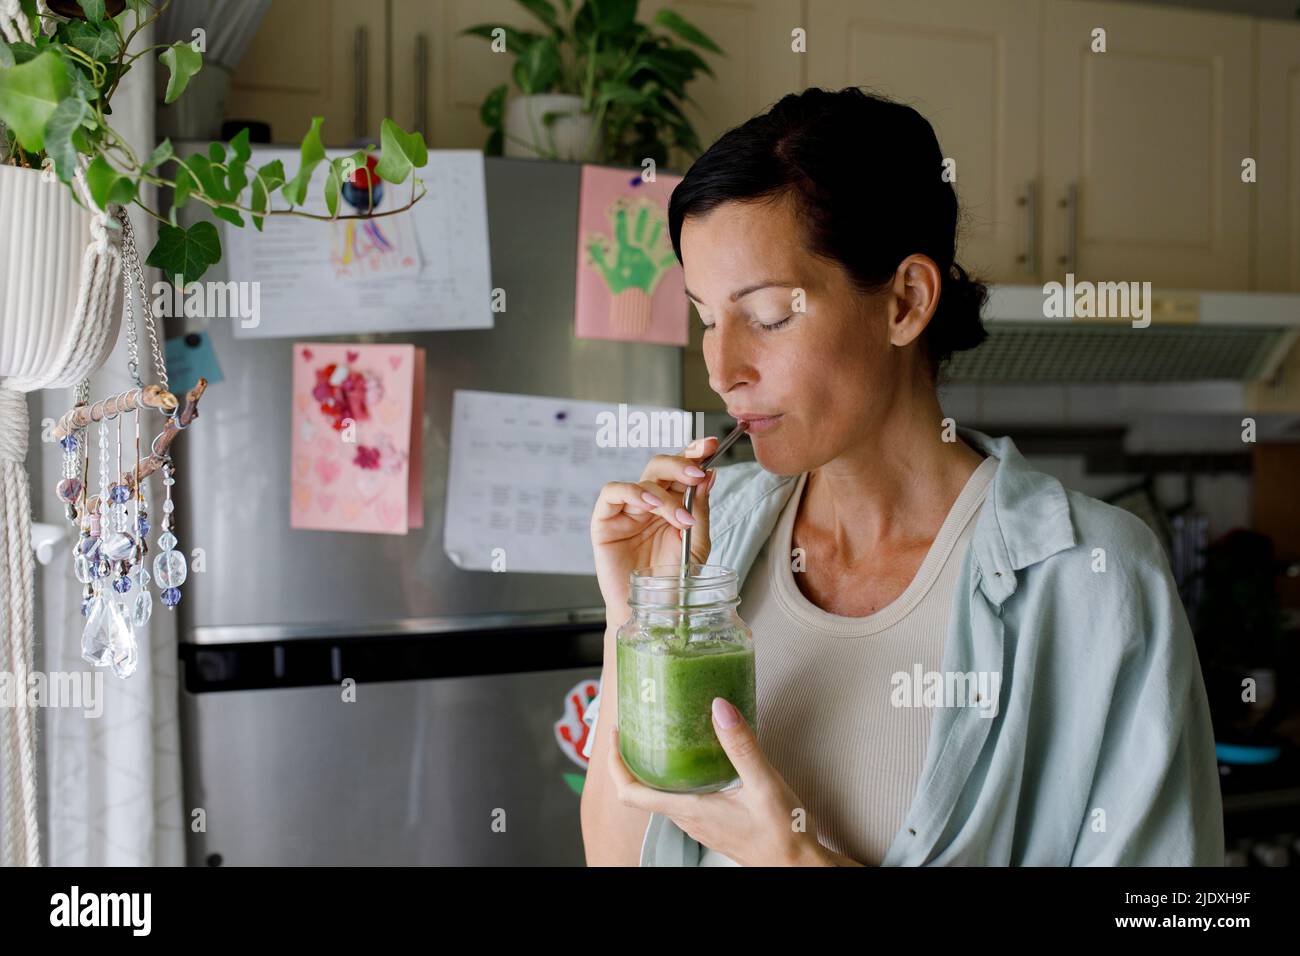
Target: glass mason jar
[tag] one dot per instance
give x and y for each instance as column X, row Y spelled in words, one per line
column 683, row 646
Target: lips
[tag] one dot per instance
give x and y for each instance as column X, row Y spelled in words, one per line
column 757, row 422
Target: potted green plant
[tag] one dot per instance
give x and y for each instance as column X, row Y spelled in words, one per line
column 596, row 84
column 56, row 90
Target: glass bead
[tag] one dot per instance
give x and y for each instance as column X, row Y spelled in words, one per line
column 81, row 567
column 119, row 493
column 172, row 596
column 140, row 576
column 142, row 608
column 68, row 489
column 166, row 541
column 125, row 654
column 85, row 606
column 142, row 525
column 104, row 624
column 118, row 546
column 168, row 506
column 69, row 442
column 170, row 569
column 121, row 584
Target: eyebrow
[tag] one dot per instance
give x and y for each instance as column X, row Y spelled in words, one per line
column 741, row 293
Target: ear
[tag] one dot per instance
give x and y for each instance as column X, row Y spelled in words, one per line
column 917, row 285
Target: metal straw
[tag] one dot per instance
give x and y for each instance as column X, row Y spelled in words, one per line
column 731, row 439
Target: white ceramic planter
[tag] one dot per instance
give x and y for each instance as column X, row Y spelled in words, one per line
column 567, row 138
column 43, row 236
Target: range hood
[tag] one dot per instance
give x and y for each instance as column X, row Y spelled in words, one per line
column 1192, row 337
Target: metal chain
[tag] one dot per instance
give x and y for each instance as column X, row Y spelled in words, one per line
column 131, row 255
column 81, row 393
column 128, row 314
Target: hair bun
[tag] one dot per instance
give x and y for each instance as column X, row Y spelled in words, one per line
column 957, row 323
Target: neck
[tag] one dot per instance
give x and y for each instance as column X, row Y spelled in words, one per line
column 895, row 486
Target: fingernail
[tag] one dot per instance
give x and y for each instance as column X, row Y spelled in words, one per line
column 647, row 497
column 726, row 715
column 693, row 471
column 685, row 517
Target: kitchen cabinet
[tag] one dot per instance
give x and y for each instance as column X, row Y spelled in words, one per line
column 314, row 58
column 972, row 70
column 1142, row 145
column 438, row 77
column 1277, row 125
column 1125, row 166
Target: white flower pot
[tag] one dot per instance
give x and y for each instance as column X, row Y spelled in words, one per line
column 43, row 237
column 568, row 137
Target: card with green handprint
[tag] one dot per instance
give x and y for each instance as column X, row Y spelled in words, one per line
column 629, row 284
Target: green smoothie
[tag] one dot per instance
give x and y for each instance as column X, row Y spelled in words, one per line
column 666, row 687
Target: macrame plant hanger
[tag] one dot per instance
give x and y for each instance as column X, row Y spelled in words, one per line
column 79, row 355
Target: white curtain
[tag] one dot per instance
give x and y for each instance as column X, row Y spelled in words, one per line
column 112, row 784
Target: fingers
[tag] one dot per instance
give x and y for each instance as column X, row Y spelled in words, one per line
column 637, row 498
column 701, row 447
column 741, row 744
column 677, row 470
column 667, row 504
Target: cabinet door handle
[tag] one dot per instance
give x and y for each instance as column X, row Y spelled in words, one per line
column 1071, row 206
column 422, row 84
column 359, row 65
column 1029, row 258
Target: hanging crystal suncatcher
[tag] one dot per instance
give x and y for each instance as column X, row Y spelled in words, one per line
column 109, row 558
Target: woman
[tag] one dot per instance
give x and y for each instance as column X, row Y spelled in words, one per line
column 878, row 545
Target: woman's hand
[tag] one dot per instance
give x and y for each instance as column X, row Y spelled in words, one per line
column 759, row 823
column 639, row 524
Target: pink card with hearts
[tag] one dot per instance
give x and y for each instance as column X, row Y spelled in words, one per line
column 357, row 416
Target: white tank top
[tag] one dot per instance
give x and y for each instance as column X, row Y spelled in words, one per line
column 826, row 717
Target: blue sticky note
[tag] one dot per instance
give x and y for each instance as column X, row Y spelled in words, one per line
column 189, row 358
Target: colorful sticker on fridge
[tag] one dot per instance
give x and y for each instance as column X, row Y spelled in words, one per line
column 630, row 285
column 357, row 416
column 571, row 730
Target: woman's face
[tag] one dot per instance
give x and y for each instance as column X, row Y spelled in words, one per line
column 824, row 378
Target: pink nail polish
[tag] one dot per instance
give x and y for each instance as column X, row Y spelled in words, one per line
column 651, row 499
column 726, row 715
column 685, row 517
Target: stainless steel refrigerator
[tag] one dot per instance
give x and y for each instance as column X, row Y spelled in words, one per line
column 447, row 755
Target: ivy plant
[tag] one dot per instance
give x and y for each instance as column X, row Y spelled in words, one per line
column 55, row 107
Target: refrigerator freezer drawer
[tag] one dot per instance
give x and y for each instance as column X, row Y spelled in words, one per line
column 453, row 770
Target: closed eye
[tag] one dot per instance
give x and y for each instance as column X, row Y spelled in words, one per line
column 766, row 327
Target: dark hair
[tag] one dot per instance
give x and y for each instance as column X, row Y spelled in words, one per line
column 868, row 174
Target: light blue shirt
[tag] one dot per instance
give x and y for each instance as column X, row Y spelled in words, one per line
column 1101, row 751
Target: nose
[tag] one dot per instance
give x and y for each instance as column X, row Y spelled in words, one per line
column 728, row 357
